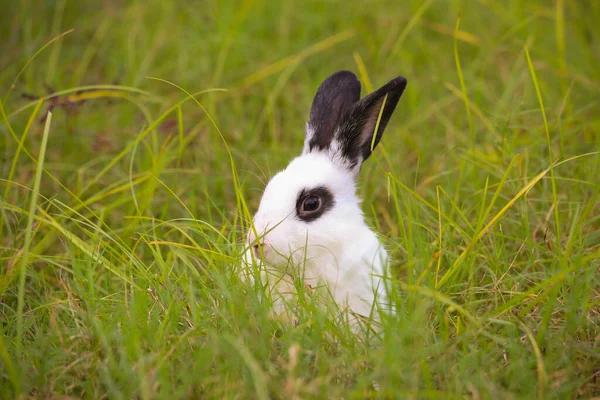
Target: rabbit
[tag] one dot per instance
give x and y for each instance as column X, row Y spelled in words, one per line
column 309, row 224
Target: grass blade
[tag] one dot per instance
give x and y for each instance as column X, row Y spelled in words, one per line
column 549, row 144
column 495, row 219
column 28, row 232
column 14, row 82
column 461, row 78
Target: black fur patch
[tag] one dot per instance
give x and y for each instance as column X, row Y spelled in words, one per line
column 356, row 130
column 334, row 98
column 326, row 203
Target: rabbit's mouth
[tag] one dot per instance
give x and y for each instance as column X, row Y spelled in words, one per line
column 269, row 255
column 292, row 259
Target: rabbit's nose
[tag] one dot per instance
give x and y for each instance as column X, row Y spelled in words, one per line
column 256, row 245
column 256, row 250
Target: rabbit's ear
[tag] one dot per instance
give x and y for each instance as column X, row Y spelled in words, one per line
column 334, row 98
column 356, row 137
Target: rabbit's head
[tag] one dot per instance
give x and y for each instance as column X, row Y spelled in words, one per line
column 309, row 209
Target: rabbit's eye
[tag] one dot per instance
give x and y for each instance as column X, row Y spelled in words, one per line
column 312, row 203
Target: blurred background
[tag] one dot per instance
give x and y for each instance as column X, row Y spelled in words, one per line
column 270, row 56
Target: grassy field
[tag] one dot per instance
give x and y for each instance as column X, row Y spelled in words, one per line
column 123, row 213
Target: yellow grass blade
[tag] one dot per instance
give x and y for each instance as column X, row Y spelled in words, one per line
column 362, row 71
column 294, row 58
column 460, row 35
column 377, row 124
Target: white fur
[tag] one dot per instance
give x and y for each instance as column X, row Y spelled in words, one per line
column 338, row 249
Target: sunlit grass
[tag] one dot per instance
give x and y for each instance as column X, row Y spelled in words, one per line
column 123, row 216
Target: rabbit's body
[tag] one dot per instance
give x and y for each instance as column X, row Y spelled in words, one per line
column 340, row 250
column 309, row 222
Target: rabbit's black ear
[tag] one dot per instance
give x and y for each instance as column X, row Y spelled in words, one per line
column 356, row 134
column 334, row 98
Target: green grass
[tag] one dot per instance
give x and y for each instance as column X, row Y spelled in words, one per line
column 120, row 236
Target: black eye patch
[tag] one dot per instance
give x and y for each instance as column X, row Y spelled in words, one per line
column 312, row 203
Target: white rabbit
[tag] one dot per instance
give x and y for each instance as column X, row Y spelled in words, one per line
column 309, row 222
